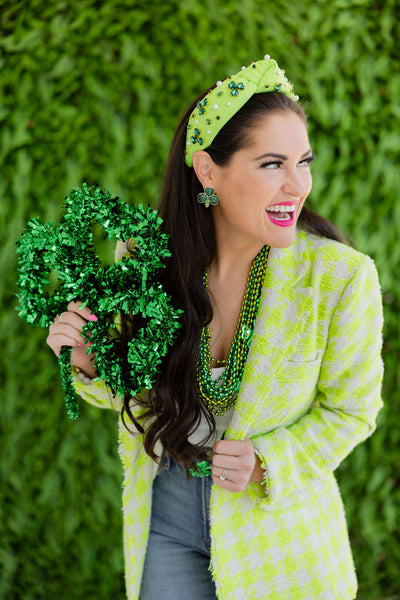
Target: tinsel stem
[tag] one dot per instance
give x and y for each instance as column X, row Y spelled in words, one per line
column 71, row 399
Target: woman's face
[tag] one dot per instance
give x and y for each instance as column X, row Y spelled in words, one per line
column 263, row 188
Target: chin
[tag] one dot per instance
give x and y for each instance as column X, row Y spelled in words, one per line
column 282, row 239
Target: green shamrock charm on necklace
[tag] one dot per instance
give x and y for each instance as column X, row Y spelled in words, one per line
column 208, row 197
column 203, row 468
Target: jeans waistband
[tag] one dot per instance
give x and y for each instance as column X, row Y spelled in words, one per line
column 166, row 462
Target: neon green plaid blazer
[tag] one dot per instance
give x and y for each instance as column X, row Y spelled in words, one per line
column 310, row 393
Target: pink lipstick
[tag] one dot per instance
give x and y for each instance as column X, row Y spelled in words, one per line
column 282, row 214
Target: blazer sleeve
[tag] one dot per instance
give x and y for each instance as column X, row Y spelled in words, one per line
column 96, row 393
column 348, row 395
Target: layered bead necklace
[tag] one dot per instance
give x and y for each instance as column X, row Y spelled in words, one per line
column 219, row 395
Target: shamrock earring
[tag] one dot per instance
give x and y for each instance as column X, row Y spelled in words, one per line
column 208, row 197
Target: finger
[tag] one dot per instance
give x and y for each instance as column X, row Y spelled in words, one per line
column 236, row 463
column 227, row 484
column 241, row 474
column 68, row 330
column 238, row 477
column 56, row 341
column 83, row 311
column 58, row 329
column 71, row 319
column 225, row 461
column 219, row 471
column 233, row 447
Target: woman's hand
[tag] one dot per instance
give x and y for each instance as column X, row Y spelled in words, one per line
column 66, row 330
column 241, row 464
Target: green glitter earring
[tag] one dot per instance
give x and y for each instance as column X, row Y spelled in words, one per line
column 208, row 197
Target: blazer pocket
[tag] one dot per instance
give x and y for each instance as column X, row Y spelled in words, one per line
column 299, row 370
column 291, row 393
column 303, row 496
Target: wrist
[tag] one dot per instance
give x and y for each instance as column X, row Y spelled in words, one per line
column 81, row 375
column 258, row 474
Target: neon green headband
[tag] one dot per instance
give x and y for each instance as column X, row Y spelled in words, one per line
column 221, row 103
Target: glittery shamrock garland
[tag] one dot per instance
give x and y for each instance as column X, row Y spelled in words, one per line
column 203, row 468
column 128, row 286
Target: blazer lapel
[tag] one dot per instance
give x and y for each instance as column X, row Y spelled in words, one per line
column 284, row 305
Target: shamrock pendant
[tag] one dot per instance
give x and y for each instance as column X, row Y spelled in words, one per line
column 208, row 197
column 203, row 469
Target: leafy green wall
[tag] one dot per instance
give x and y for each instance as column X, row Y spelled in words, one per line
column 91, row 91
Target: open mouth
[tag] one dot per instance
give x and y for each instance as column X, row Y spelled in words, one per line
column 281, row 214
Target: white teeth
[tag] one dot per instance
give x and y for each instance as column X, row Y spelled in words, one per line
column 281, row 208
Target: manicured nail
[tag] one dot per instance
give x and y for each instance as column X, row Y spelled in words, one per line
column 93, row 318
column 79, row 344
column 89, row 343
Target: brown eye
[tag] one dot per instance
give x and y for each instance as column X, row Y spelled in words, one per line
column 307, row 161
column 271, row 165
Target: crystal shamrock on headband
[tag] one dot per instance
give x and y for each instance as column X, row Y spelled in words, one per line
column 222, row 102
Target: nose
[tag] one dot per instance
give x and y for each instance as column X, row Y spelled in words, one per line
column 295, row 184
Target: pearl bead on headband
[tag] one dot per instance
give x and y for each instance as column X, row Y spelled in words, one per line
column 221, row 103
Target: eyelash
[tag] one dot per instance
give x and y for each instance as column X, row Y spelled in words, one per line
column 307, row 160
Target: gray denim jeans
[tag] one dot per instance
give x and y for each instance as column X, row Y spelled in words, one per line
column 178, row 553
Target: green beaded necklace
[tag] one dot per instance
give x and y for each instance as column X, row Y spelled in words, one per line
column 219, row 395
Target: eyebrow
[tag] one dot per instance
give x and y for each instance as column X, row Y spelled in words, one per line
column 282, row 156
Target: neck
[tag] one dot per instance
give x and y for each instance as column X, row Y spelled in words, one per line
column 234, row 252
column 233, row 259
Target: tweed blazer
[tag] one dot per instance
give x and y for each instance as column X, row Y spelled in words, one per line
column 310, row 393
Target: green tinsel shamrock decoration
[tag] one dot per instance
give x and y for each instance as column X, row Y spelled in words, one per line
column 203, row 468
column 129, row 286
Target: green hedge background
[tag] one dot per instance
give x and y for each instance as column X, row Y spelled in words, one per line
column 91, row 91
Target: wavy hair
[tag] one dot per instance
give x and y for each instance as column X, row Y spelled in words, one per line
column 173, row 410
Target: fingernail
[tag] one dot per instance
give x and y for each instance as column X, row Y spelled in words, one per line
column 93, row 318
column 79, row 344
column 89, row 343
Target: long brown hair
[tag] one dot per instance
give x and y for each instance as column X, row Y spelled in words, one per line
column 173, row 408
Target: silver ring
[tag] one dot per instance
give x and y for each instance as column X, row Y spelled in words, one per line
column 224, row 474
column 61, row 316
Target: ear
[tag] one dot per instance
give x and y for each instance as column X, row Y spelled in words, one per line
column 204, row 167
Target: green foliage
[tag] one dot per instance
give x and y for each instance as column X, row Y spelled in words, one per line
column 91, row 91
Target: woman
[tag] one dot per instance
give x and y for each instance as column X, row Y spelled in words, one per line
column 279, row 355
